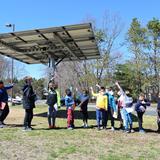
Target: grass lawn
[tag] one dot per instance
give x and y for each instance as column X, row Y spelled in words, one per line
column 77, row 144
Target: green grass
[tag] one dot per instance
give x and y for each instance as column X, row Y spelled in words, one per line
column 89, row 144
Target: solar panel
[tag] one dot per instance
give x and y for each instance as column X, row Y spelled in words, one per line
column 67, row 43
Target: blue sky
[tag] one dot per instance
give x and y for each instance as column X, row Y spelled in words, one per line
column 31, row 14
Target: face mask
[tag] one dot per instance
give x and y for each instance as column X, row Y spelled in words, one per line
column 111, row 93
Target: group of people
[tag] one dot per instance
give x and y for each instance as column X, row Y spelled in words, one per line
column 107, row 106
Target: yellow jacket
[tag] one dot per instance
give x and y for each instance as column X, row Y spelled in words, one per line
column 102, row 101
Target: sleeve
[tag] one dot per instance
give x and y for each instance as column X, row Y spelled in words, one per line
column 8, row 87
column 137, row 105
column 148, row 103
column 58, row 98
column 79, row 95
column 66, row 101
column 1, row 94
column 94, row 94
column 113, row 103
column 106, row 102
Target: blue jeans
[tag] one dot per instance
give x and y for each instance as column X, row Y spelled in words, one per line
column 101, row 115
column 127, row 118
column 52, row 112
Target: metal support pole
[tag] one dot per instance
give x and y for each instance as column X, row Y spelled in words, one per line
column 12, row 63
column 52, row 66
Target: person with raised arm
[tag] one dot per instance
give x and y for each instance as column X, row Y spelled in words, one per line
column 4, row 108
column 101, row 107
column 84, row 99
column 125, row 103
column 111, row 108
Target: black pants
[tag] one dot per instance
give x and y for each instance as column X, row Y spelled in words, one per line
column 4, row 113
column 85, row 116
column 28, row 117
column 51, row 116
column 140, row 119
column 109, row 113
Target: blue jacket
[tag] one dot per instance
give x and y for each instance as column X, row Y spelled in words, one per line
column 69, row 101
column 139, row 103
column 111, row 101
column 4, row 94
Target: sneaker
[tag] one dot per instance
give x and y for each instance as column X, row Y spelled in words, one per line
column 127, row 131
column 31, row 128
column 85, row 126
column 1, row 126
column 141, row 131
column 50, row 127
column 132, row 130
column 104, row 127
column 112, row 129
column 70, row 128
column 27, row 129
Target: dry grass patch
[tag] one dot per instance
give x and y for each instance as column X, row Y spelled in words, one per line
column 86, row 144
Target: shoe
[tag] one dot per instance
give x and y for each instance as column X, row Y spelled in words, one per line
column 27, row 129
column 1, row 126
column 51, row 127
column 112, row 129
column 83, row 125
column 132, row 131
column 141, row 131
column 127, row 131
column 70, row 128
column 31, row 128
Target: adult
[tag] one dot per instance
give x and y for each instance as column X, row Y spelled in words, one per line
column 29, row 98
column 53, row 101
column 4, row 108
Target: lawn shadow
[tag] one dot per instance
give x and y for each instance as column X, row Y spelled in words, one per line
column 63, row 114
column 16, row 125
column 78, row 115
column 147, row 130
column 62, row 128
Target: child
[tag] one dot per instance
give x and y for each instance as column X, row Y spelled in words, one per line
column 4, row 108
column 52, row 105
column 69, row 103
column 101, row 107
column 124, row 103
column 84, row 98
column 111, row 106
column 140, row 108
column 158, row 113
